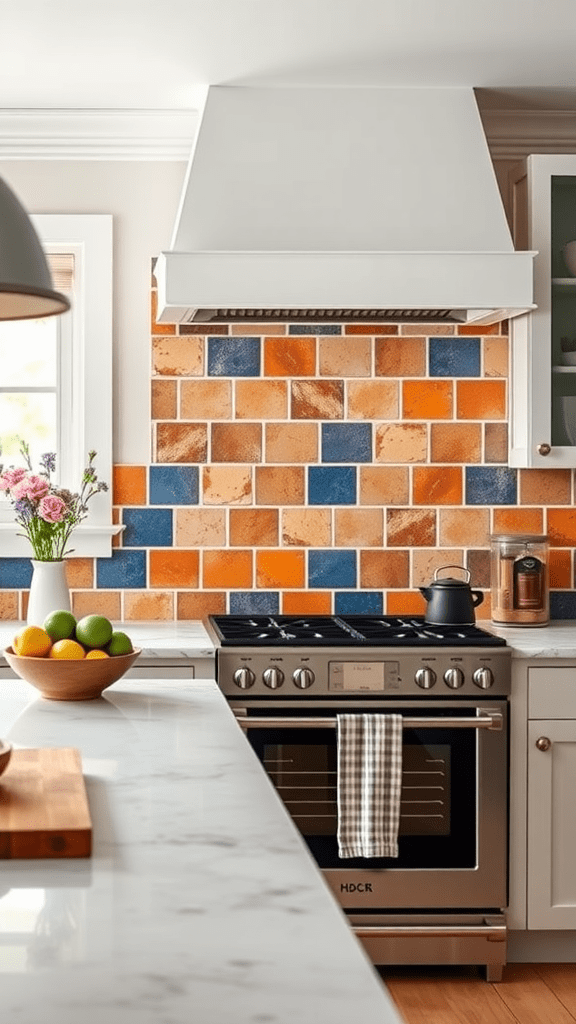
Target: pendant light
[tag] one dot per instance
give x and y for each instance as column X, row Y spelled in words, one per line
column 26, row 290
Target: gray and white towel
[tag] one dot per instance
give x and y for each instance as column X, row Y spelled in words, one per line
column 369, row 783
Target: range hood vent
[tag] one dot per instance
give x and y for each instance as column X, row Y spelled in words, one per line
column 341, row 204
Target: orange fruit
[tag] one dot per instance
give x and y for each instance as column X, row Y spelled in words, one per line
column 95, row 653
column 67, row 650
column 32, row 642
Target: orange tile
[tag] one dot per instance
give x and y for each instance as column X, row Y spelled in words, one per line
column 400, row 357
column 456, row 442
column 307, row 527
column 495, row 357
column 495, row 442
column 481, row 399
column 279, row 485
column 560, row 565
column 164, row 400
column 384, row 485
column 437, row 485
column 253, row 526
column 545, row 486
column 236, row 442
column 80, row 572
column 307, row 602
column 117, row 537
column 147, row 607
column 227, row 485
column 200, row 527
column 478, row 329
column 178, row 357
column 468, row 526
column 518, row 520
column 174, row 567
column 8, row 605
column 155, row 327
column 24, row 596
column 405, row 602
column 181, row 442
column 358, row 527
column 199, row 604
column 129, row 485
column 425, row 562
column 289, row 357
column 291, row 442
column 373, row 399
column 371, row 329
column 562, row 527
column 227, row 568
column 401, row 442
column 97, row 602
column 279, row 569
column 261, row 399
column 427, row 399
column 410, row 527
column 381, row 569
column 317, row 400
column 205, row 400
column 345, row 357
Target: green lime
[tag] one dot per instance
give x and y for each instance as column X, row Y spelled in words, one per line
column 120, row 643
column 94, row 630
column 60, row 625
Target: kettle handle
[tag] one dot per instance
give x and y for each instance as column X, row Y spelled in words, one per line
column 477, row 597
column 462, row 569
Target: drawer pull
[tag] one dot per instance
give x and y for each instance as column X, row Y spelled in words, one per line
column 543, row 743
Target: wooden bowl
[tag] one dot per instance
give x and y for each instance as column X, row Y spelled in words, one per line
column 5, row 755
column 60, row 679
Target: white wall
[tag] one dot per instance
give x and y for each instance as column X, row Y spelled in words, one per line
column 143, row 198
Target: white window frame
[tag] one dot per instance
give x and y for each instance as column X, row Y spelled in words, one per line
column 85, row 379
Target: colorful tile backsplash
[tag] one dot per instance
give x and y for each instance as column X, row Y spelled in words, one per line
column 317, row 468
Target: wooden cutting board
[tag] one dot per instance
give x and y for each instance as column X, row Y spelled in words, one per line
column 43, row 805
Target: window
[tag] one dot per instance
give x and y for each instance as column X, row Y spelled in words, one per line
column 56, row 376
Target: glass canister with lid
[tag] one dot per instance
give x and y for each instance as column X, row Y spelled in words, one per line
column 519, row 574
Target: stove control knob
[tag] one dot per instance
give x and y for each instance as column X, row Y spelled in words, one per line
column 273, row 677
column 425, row 677
column 244, row 678
column 454, row 678
column 483, row 678
column 303, row 678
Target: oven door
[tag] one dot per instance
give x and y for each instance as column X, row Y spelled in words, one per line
column 454, row 801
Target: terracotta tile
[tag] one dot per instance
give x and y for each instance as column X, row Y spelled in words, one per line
column 178, row 357
column 495, row 357
column 425, row 561
column 280, row 569
column 371, row 329
column 545, row 486
column 200, row 527
column 261, row 399
column 181, row 442
column 560, row 566
column 467, row 526
column 373, row 400
column 200, row 604
column 317, row 399
column 80, row 572
column 291, row 442
column 97, row 602
column 428, row 329
column 129, row 485
column 204, row 328
column 496, row 442
column 254, row 526
column 261, row 329
column 485, row 610
column 279, row 485
column 384, row 485
column 344, row 357
column 289, row 357
column 405, row 602
column 358, row 527
column 400, row 357
column 164, row 400
column 478, row 564
column 307, row 602
column 518, row 520
column 236, row 442
column 147, row 607
column 155, row 327
column 308, row 527
column 227, row 485
column 427, row 399
column 410, row 527
column 562, row 527
column 205, row 399
column 381, row 569
column 501, row 328
column 456, row 442
column 116, row 520
column 8, row 605
column 24, row 596
column 175, row 567
column 227, row 569
column 401, row 442
column 481, row 399
column 437, row 485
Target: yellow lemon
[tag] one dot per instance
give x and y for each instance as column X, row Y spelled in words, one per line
column 66, row 649
column 95, row 653
column 32, row 642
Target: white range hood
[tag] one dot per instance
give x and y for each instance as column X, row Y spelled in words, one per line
column 339, row 203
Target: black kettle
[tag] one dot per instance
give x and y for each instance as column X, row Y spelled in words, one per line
column 451, row 602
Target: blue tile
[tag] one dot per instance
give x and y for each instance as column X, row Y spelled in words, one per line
column 234, row 357
column 454, row 357
column 15, row 573
column 331, row 568
column 491, row 485
column 173, row 485
column 314, row 329
column 124, row 569
column 147, row 528
column 256, row 602
column 563, row 604
column 334, row 485
column 346, row 442
column 359, row 602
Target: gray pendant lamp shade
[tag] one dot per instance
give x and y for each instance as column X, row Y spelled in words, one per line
column 26, row 289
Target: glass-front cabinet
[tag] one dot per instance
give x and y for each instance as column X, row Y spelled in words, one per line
column 543, row 343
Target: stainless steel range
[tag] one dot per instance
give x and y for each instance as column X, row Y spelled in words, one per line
column 287, row 678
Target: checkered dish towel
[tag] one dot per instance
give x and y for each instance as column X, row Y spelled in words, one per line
column 369, row 782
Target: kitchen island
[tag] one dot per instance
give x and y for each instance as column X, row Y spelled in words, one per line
column 199, row 904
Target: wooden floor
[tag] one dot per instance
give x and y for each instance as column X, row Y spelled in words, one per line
column 527, row 994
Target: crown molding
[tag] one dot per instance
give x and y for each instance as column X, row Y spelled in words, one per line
column 41, row 134
column 513, row 134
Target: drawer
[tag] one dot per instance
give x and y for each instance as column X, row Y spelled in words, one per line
column 552, row 692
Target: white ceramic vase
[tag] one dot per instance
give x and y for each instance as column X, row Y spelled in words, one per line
column 48, row 591
column 569, row 253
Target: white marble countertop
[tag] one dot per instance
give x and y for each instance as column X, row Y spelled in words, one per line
column 557, row 640
column 181, row 639
column 200, row 903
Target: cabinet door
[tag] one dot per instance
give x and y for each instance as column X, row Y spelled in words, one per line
column 551, row 895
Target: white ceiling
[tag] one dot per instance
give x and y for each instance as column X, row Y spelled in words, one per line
column 125, row 54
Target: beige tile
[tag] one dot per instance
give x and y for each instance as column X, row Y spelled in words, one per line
column 468, row 526
column 384, row 485
column 178, row 357
column 291, row 442
column 9, row 605
column 495, row 357
column 147, row 607
column 373, row 399
column 279, row 485
column 401, row 442
column 345, row 357
column 200, row 527
column 97, row 602
column 358, row 527
column 205, row 399
column 425, row 561
column 261, row 399
column 307, row 527
column 227, row 485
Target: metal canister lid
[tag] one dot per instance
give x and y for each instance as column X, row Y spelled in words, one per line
column 520, row 538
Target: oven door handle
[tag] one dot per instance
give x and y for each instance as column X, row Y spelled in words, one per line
column 488, row 930
column 489, row 719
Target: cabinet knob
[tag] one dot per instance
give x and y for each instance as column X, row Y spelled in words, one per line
column 543, row 743
column 544, row 449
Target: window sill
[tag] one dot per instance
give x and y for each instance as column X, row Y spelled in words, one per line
column 86, row 541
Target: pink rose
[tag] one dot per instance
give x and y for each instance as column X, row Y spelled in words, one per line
column 32, row 487
column 10, row 477
column 52, row 509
